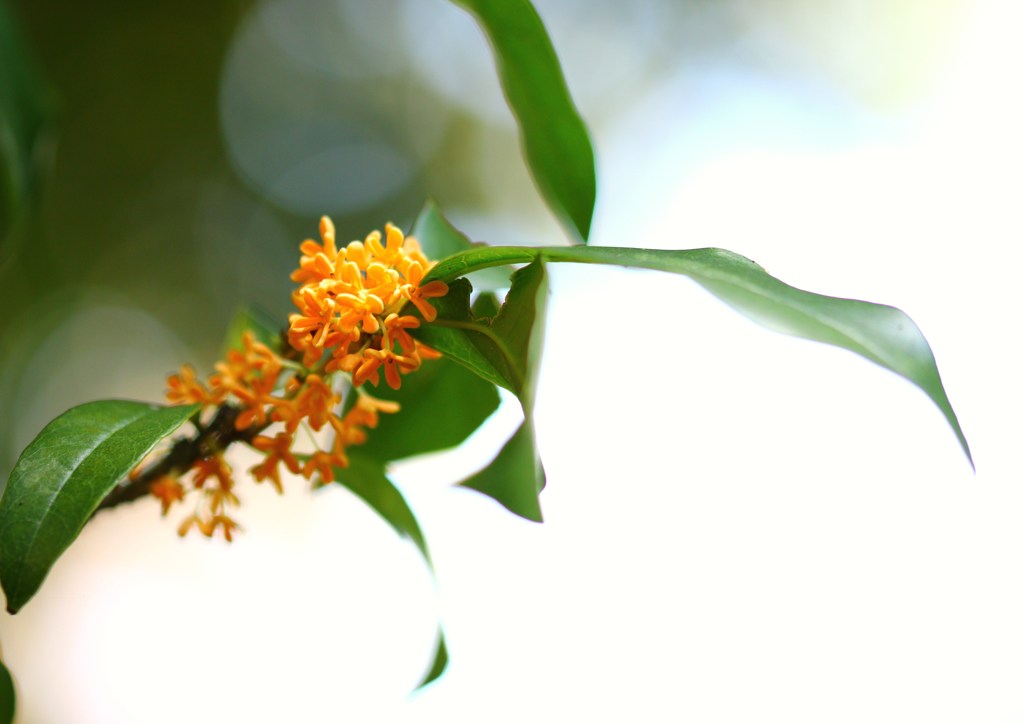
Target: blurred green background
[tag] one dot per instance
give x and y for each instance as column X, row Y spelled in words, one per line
column 191, row 145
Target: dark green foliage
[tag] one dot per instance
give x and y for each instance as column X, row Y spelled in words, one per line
column 462, row 337
column 61, row 478
column 515, row 477
column 440, row 661
column 24, row 116
column 553, row 136
column 365, row 477
column 7, row 697
column 881, row 333
column 505, row 350
column 442, row 404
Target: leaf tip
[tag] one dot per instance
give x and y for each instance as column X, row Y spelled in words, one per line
column 439, row 665
column 526, row 508
column 17, row 596
column 970, row 458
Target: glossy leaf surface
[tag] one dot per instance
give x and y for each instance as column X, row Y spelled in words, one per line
column 515, row 477
column 460, row 336
column 554, row 139
column 443, row 403
column 62, row 476
column 880, row 333
column 520, row 324
column 439, row 239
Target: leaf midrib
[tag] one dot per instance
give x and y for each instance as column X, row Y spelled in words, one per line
column 60, row 490
column 578, row 255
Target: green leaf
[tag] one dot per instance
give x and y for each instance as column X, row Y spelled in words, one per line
column 61, row 478
column 365, row 477
column 25, row 110
column 262, row 324
column 7, row 697
column 438, row 239
column 443, row 403
column 439, row 664
column 486, row 306
column 484, row 257
column 880, row 333
column 552, row 134
column 504, row 351
column 520, row 325
column 460, row 336
column 516, row 477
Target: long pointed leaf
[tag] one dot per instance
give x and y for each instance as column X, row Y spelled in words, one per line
column 553, row 136
column 365, row 477
column 883, row 334
column 440, row 661
column 439, row 239
column 520, row 324
column 516, row 476
column 442, row 405
column 458, row 334
column 62, row 476
column 7, row 697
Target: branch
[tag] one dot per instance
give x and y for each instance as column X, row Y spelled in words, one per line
column 211, row 438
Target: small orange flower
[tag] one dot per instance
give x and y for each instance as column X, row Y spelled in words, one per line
column 226, row 524
column 218, row 499
column 186, row 525
column 348, row 320
column 322, row 463
column 351, row 430
column 347, row 433
column 367, row 369
column 214, row 467
column 315, row 401
column 168, row 491
column 184, row 389
column 279, row 450
column 426, row 352
column 208, row 526
column 348, row 296
column 250, row 375
column 395, row 329
column 420, row 295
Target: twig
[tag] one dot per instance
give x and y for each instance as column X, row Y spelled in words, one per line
column 211, row 438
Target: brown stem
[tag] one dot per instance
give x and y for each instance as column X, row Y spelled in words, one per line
column 211, row 438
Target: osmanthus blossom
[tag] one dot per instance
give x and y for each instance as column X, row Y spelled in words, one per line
column 349, row 326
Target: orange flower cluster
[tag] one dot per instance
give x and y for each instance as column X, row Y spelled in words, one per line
column 350, row 303
column 350, row 300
